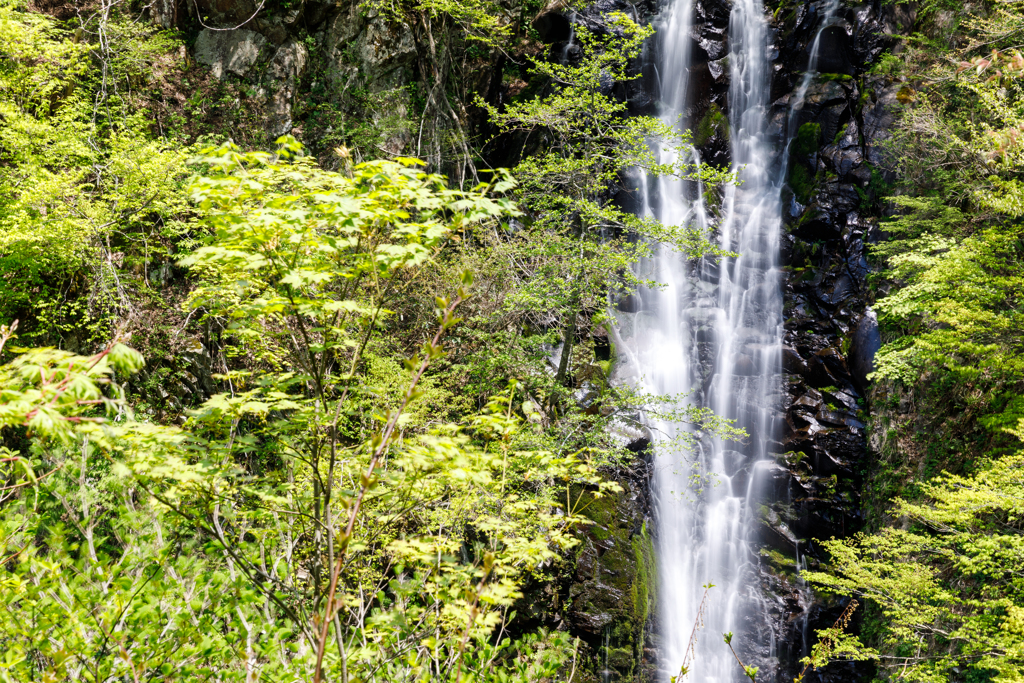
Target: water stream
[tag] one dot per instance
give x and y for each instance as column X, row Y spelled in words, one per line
column 715, row 332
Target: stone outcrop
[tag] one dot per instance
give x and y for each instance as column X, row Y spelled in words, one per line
column 282, row 84
column 612, row 591
column 271, row 49
column 225, row 52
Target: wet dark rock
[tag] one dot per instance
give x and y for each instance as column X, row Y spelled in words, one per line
column 629, row 303
column 834, row 289
column 793, row 363
column 719, row 69
column 822, row 94
column 551, row 25
column 778, row 534
column 865, row 344
column 841, row 398
column 832, row 119
column 878, row 116
column 818, row 222
column 810, row 402
column 714, row 47
column 835, row 52
column 611, row 593
column 870, row 37
column 823, row 439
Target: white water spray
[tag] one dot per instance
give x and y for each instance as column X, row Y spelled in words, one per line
column 714, row 332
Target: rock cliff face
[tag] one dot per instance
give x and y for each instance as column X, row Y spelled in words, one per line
column 836, row 165
column 611, row 594
column 290, row 56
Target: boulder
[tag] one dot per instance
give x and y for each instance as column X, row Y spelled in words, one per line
column 282, row 78
column 551, row 24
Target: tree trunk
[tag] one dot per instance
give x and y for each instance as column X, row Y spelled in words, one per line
column 567, row 343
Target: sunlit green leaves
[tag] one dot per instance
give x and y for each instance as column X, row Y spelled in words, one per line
column 85, row 186
column 289, row 239
column 948, row 584
column 574, row 244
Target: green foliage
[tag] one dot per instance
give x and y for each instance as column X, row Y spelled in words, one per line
column 807, row 141
column 481, row 21
column 955, row 250
column 948, row 585
column 715, row 121
column 959, row 270
column 290, row 239
column 85, row 187
column 940, row 574
column 888, row 64
column 294, row 495
column 958, row 298
column 334, row 513
column 802, row 179
column 95, row 579
column 802, row 182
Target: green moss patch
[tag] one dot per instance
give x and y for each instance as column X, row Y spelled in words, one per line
column 808, row 140
column 801, row 181
column 714, row 122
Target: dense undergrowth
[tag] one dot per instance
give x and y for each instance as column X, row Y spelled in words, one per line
column 351, row 430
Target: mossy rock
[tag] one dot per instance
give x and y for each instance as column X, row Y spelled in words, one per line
column 613, row 588
column 807, row 141
column 802, row 182
column 842, row 78
column 714, row 122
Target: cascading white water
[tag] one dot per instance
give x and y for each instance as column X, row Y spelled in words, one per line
column 800, row 96
column 563, row 58
column 714, row 332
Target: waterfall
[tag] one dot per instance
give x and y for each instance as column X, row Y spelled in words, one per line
column 800, row 96
column 713, row 333
column 563, row 57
